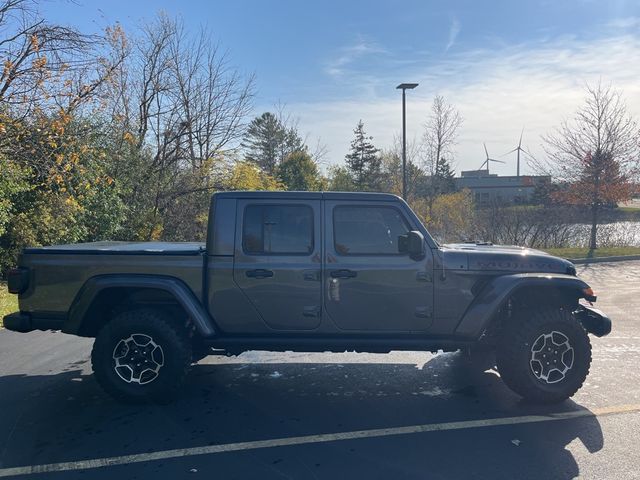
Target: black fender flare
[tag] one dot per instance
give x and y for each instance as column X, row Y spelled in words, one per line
column 496, row 293
column 202, row 321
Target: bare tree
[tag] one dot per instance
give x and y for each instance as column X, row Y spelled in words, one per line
column 319, row 152
column 181, row 104
column 440, row 132
column 49, row 65
column 183, row 97
column 50, row 73
column 291, row 125
column 440, row 136
column 596, row 154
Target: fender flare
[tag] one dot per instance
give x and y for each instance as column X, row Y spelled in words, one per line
column 496, row 293
column 202, row 321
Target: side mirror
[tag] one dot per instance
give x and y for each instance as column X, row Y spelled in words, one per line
column 412, row 243
column 415, row 243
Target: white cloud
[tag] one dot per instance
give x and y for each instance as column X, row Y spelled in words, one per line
column 454, row 30
column 534, row 86
column 350, row 54
column 624, row 23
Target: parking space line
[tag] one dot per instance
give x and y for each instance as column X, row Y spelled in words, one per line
column 310, row 439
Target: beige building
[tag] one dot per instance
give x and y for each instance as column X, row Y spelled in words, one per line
column 489, row 188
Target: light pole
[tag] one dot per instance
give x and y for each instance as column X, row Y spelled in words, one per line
column 404, row 87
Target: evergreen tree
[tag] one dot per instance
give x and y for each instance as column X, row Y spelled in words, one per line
column 269, row 141
column 363, row 161
column 299, row 172
column 443, row 177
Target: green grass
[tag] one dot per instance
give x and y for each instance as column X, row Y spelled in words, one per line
column 598, row 253
column 629, row 209
column 8, row 302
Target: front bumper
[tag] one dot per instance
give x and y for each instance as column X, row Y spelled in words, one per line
column 23, row 323
column 593, row 320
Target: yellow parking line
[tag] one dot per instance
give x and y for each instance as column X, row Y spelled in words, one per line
column 310, row 439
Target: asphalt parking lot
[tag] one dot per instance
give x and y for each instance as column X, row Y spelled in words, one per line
column 262, row 415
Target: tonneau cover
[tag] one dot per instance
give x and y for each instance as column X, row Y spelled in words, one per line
column 122, row 248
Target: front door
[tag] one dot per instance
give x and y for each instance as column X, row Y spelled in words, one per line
column 370, row 285
column 277, row 261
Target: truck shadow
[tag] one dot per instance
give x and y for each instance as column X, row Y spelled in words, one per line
column 66, row 417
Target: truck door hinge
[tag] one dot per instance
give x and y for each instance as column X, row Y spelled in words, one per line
column 311, row 275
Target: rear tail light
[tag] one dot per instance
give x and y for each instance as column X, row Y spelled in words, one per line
column 18, row 280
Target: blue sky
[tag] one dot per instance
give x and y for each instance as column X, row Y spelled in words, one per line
column 504, row 64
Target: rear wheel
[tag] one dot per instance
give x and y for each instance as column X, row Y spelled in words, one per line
column 545, row 356
column 480, row 358
column 141, row 356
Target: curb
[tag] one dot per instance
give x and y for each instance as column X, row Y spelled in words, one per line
column 622, row 258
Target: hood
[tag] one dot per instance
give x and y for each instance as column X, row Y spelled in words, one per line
column 507, row 258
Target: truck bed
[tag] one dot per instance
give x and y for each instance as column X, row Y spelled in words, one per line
column 61, row 270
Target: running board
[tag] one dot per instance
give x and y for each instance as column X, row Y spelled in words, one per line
column 232, row 345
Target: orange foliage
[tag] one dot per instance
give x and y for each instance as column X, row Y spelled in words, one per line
column 601, row 182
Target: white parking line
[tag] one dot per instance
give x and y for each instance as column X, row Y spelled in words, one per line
column 309, row 439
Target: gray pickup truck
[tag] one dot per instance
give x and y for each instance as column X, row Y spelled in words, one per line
column 309, row 271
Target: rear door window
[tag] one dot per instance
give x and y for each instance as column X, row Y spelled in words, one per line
column 277, row 230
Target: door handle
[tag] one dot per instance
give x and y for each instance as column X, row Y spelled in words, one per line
column 259, row 273
column 343, row 273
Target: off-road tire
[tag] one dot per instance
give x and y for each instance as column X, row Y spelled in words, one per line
column 515, row 350
column 479, row 358
column 176, row 356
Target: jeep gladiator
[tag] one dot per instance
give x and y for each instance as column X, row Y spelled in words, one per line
column 309, row 271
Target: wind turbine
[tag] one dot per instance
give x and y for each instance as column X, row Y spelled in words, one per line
column 519, row 149
column 488, row 159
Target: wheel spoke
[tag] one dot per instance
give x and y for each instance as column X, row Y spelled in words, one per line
column 551, row 357
column 138, row 359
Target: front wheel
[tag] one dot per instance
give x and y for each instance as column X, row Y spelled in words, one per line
column 141, row 356
column 544, row 356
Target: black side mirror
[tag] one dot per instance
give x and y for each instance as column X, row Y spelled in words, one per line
column 415, row 241
column 412, row 243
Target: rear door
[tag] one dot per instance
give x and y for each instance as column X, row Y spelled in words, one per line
column 370, row 286
column 277, row 261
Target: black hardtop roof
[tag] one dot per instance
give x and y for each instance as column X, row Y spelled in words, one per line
column 308, row 195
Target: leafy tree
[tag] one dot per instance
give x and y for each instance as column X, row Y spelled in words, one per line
column 269, row 141
column 13, row 181
column 451, row 216
column 363, row 161
column 104, row 138
column 299, row 172
column 391, row 177
column 597, row 155
column 340, row 179
column 60, row 191
column 246, row 176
